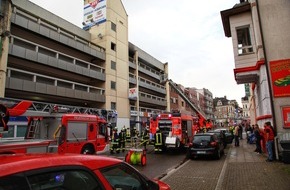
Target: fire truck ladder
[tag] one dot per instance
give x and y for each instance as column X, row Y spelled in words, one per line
column 184, row 97
column 42, row 109
column 33, row 128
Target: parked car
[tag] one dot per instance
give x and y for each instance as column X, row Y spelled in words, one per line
column 205, row 144
column 228, row 134
column 221, row 135
column 71, row 172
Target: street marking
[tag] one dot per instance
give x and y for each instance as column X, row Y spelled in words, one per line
column 222, row 174
column 172, row 171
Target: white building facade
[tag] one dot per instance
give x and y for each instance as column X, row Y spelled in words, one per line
column 260, row 35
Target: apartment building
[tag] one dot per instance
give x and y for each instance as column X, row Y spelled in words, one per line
column 191, row 100
column 261, row 47
column 208, row 102
column 226, row 112
column 147, row 84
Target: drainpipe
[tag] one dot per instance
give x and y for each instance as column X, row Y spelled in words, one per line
column 138, row 126
column 267, row 69
column 269, row 86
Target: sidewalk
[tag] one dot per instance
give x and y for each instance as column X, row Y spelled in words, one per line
column 243, row 169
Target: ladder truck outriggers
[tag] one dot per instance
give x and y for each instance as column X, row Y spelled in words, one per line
column 54, row 128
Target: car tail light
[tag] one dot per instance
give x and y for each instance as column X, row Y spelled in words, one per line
column 214, row 143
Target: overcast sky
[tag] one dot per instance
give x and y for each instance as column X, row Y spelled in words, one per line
column 188, row 34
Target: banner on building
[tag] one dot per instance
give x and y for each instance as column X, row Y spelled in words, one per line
column 133, row 93
column 280, row 74
column 94, row 13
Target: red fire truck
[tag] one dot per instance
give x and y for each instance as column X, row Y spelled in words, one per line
column 54, row 128
column 177, row 128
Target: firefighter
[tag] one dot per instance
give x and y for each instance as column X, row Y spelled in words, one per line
column 128, row 135
column 134, row 137
column 158, row 145
column 145, row 137
column 231, row 129
column 204, row 129
column 122, row 139
column 114, row 142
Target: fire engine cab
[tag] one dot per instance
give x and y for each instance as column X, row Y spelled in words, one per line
column 54, row 128
column 177, row 128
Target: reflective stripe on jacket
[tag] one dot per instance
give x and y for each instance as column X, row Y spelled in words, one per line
column 158, row 139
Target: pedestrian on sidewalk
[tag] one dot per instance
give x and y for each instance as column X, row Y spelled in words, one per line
column 236, row 134
column 241, row 131
column 258, row 139
column 269, row 138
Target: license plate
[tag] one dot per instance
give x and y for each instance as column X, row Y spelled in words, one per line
column 201, row 152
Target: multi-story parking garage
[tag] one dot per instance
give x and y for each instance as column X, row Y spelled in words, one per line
column 51, row 60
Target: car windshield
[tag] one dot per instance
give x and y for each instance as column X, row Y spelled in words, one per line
column 201, row 138
column 72, row 180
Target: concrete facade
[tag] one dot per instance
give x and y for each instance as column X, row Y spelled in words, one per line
column 51, row 60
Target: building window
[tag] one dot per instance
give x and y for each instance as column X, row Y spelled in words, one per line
column 244, row 41
column 113, row 65
column 113, row 85
column 113, row 106
column 113, row 26
column 113, row 46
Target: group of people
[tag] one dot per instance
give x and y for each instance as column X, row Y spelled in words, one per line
column 237, row 131
column 267, row 135
column 119, row 140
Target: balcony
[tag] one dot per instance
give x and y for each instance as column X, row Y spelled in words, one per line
column 34, row 52
column 147, row 84
column 34, row 83
column 148, row 98
column 78, row 39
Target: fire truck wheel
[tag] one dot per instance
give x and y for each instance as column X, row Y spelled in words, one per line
column 87, row 150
